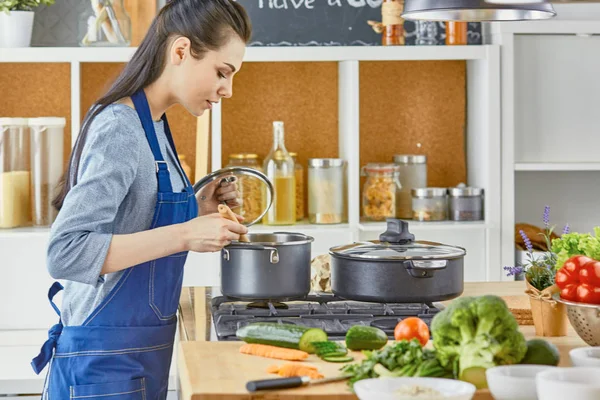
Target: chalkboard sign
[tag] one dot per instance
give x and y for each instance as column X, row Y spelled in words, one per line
column 330, row 23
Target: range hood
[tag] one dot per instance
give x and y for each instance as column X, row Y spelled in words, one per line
column 476, row 10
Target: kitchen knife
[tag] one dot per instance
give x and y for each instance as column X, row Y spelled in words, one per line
column 286, row 383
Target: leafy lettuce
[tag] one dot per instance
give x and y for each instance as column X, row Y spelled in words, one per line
column 572, row 244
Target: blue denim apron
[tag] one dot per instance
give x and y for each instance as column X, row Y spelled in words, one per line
column 123, row 349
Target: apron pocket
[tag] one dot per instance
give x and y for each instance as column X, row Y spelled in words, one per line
column 122, row 390
column 166, row 278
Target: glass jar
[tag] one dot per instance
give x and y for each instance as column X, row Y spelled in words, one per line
column 465, row 204
column 299, row 176
column 413, row 174
column 456, row 33
column 47, row 162
column 392, row 23
column 105, row 23
column 430, row 204
column 380, row 192
column 15, row 173
column 279, row 168
column 250, row 188
column 327, row 191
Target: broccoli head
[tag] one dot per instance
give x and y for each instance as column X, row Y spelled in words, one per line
column 476, row 333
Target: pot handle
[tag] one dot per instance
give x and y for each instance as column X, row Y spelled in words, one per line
column 274, row 257
column 425, row 269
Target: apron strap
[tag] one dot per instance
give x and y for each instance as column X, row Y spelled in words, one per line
column 162, row 169
column 45, row 355
column 172, row 143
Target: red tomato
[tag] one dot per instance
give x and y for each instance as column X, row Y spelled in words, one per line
column 574, row 264
column 563, row 278
column 587, row 293
column 412, row 328
column 569, row 292
column 590, row 273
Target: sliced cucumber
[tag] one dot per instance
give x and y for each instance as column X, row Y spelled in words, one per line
column 282, row 335
column 329, row 348
column 338, row 359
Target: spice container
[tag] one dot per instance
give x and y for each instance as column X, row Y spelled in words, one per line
column 465, row 204
column 429, row 204
column 299, row 176
column 47, row 162
column 391, row 26
column 326, row 191
column 413, row 174
column 250, row 188
column 456, row 33
column 381, row 191
column 15, row 203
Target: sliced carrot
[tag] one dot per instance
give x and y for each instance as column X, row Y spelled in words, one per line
column 295, row 369
column 264, row 350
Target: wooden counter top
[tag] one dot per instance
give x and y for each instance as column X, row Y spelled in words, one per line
column 217, row 371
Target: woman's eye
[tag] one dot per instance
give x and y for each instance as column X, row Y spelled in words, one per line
column 221, row 75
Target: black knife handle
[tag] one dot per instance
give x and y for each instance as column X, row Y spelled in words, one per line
column 277, row 383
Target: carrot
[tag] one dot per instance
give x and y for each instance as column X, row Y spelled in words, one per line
column 295, row 369
column 264, row 350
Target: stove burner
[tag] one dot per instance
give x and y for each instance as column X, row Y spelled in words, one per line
column 326, row 311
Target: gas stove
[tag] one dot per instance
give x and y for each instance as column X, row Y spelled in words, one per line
column 326, row 311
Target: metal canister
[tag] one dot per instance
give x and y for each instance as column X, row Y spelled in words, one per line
column 465, row 203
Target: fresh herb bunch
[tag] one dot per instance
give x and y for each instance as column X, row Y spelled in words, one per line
column 539, row 270
column 23, row 5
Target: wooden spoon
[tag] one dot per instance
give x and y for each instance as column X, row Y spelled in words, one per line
column 226, row 212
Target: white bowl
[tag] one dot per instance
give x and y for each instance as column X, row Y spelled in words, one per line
column 568, row 383
column 514, row 382
column 386, row 388
column 585, row 356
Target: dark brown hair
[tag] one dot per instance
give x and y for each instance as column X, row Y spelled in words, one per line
column 207, row 23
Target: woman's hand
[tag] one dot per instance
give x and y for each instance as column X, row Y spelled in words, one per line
column 211, row 233
column 216, row 192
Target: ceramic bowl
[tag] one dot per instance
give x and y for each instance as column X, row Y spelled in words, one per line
column 514, row 382
column 585, row 357
column 568, row 383
column 387, row 388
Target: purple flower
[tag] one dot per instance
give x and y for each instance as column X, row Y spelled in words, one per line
column 546, row 216
column 566, row 229
column 526, row 241
column 513, row 270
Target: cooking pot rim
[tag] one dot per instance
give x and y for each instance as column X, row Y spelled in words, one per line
column 305, row 240
column 338, row 251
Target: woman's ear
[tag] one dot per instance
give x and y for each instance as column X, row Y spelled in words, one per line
column 180, row 49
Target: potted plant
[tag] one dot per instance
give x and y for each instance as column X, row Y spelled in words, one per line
column 549, row 316
column 16, row 21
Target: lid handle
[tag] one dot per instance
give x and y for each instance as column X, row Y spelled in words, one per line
column 397, row 232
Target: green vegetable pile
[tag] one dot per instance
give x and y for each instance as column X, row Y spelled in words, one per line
column 404, row 358
column 572, row 244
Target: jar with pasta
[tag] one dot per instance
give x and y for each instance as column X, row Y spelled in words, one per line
column 299, row 174
column 250, row 188
column 381, row 191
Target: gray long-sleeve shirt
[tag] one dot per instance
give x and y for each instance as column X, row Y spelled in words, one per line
column 115, row 194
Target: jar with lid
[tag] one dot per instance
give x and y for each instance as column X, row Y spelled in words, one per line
column 392, row 23
column 380, row 192
column 251, row 192
column 413, row 174
column 465, row 203
column 299, row 176
column 430, row 204
column 15, row 173
column 47, row 162
column 327, row 191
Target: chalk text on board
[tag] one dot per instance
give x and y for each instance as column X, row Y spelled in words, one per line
column 309, row 4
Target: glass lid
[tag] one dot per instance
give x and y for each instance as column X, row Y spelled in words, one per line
column 397, row 244
column 254, row 188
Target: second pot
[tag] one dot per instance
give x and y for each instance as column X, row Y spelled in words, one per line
column 271, row 267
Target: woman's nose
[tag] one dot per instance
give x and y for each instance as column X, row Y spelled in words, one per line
column 226, row 90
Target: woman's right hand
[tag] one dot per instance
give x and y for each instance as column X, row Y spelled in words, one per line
column 210, row 233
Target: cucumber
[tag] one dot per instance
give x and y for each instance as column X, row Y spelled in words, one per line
column 365, row 338
column 282, row 335
column 339, row 359
column 329, row 348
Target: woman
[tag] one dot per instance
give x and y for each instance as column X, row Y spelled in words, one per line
column 128, row 215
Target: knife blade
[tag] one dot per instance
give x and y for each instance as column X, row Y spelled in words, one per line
column 286, row 383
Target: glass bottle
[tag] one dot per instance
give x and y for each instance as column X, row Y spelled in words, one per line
column 279, row 168
column 106, row 23
column 250, row 188
column 393, row 24
column 456, row 33
column 299, row 176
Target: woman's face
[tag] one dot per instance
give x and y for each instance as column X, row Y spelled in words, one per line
column 198, row 84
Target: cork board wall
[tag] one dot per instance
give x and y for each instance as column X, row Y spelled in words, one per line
column 37, row 90
column 415, row 107
column 95, row 81
column 304, row 95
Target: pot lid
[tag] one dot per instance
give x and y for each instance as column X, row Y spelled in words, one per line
column 252, row 178
column 397, row 244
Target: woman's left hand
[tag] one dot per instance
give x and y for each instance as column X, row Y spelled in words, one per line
column 216, row 192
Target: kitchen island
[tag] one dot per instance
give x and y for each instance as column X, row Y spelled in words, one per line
column 215, row 370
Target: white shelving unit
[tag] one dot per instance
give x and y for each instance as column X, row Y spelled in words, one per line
column 26, row 247
column 549, row 120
